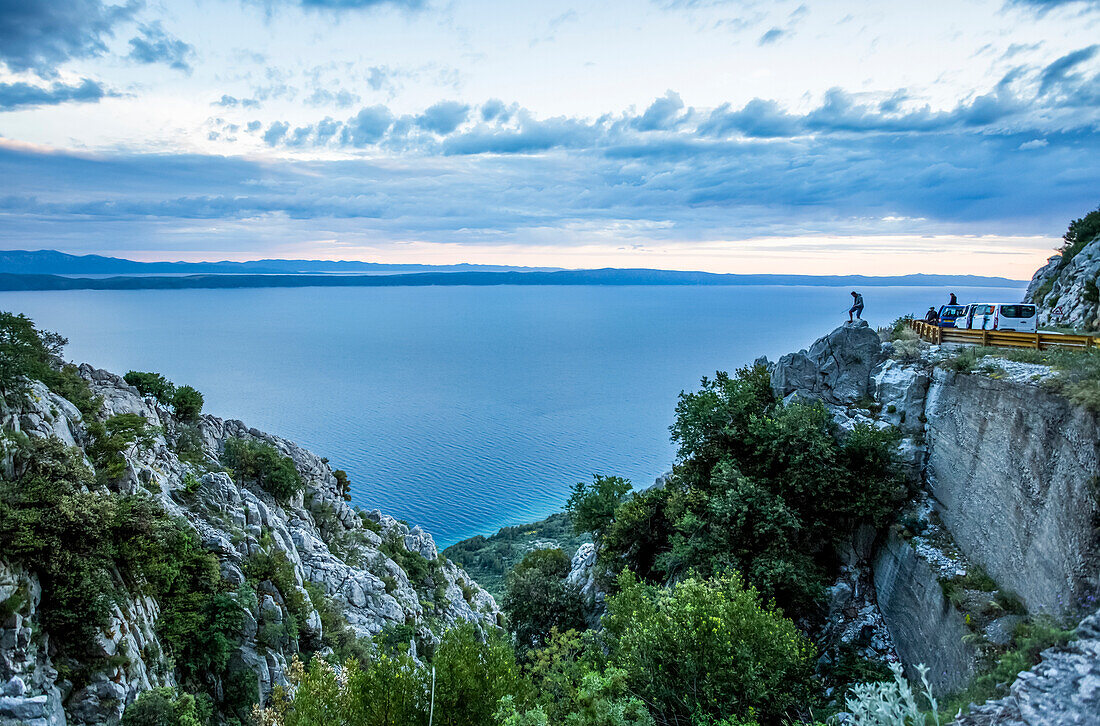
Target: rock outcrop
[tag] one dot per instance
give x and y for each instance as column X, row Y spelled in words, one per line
column 351, row 557
column 836, row 369
column 1062, row 690
column 1065, row 291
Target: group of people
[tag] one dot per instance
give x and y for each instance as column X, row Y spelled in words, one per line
column 932, row 316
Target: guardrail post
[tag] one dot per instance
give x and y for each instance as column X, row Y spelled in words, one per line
column 1037, row 342
column 985, row 338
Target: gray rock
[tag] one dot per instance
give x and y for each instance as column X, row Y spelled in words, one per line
column 1071, row 288
column 1062, row 690
column 1001, row 630
column 836, row 368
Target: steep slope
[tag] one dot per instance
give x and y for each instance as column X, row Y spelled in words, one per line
column 291, row 569
column 1065, row 289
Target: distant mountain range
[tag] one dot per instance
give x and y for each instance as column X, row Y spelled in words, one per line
column 51, row 262
column 48, row 270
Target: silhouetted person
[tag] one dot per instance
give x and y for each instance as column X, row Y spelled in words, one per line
column 953, row 300
column 932, row 316
column 857, row 306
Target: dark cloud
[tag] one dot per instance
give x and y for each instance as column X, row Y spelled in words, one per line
column 494, row 109
column 22, row 95
column 443, row 117
column 39, row 35
column 758, row 118
column 156, row 45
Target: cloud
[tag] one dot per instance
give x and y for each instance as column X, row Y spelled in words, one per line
column 758, row 118
column 342, row 98
column 275, row 132
column 367, row 126
column 1057, row 72
column 771, row 36
column 23, row 95
column 1044, row 6
column 662, row 114
column 156, row 45
column 443, row 117
column 39, row 35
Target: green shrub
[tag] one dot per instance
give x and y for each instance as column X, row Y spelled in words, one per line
column 27, row 354
column 472, row 676
column 891, row 703
column 111, row 439
column 187, row 404
column 74, row 539
column 592, row 506
column 1080, row 233
column 707, row 648
column 166, row 707
column 761, row 487
column 415, row 565
column 538, row 600
column 152, row 384
column 261, row 463
column 343, row 484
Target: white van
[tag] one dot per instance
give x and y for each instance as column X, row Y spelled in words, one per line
column 1016, row 316
column 977, row 316
column 1012, row 317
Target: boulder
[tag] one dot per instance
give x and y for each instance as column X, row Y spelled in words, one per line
column 836, row 369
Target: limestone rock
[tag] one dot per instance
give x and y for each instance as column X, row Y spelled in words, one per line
column 835, row 369
column 1066, row 293
column 1062, row 690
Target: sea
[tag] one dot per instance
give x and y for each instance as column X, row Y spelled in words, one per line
column 467, row 408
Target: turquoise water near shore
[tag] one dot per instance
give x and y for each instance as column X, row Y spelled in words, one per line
column 462, row 409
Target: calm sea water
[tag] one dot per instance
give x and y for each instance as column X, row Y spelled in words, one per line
column 462, row 409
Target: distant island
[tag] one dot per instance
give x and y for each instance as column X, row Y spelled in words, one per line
column 48, row 270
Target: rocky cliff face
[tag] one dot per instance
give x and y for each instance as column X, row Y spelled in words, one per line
column 1066, row 291
column 1008, row 476
column 348, row 556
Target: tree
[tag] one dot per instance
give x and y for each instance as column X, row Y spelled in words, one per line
column 165, row 707
column 25, row 353
column 707, row 649
column 538, row 599
column 260, row 462
column 152, row 384
column 187, row 404
column 472, row 676
column 592, row 506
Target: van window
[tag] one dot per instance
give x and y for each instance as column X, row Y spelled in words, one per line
column 983, row 309
column 953, row 310
column 1018, row 311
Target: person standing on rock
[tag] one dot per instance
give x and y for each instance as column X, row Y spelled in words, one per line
column 953, row 300
column 857, row 306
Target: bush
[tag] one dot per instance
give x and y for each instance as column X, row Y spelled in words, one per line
column 152, row 384
column 343, row 484
column 1080, row 233
column 74, row 540
column 27, row 354
column 893, row 703
column 115, row 437
column 472, row 676
column 762, row 487
column 166, row 707
column 538, row 600
column 187, row 404
column 261, row 463
column 591, row 507
column 707, row 648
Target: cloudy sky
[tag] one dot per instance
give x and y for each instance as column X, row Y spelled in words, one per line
column 816, row 136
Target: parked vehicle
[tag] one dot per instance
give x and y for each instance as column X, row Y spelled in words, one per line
column 978, row 316
column 1016, row 316
column 949, row 314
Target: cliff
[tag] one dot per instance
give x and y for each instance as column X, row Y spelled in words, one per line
column 1065, row 289
column 292, row 570
column 1005, row 527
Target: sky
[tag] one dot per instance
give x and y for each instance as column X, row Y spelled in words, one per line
column 804, row 136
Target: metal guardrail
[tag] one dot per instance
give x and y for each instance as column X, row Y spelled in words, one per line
column 1002, row 338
